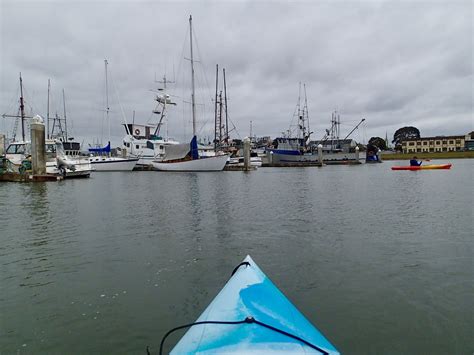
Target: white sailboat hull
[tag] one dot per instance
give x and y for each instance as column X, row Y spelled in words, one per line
column 112, row 163
column 216, row 163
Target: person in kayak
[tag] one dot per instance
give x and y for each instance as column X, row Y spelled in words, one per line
column 415, row 162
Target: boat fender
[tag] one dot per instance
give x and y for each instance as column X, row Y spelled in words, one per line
column 137, row 132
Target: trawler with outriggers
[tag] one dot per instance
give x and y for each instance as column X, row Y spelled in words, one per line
column 185, row 157
column 338, row 151
column 298, row 150
column 293, row 148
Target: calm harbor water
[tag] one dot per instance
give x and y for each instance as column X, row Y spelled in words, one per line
column 379, row 261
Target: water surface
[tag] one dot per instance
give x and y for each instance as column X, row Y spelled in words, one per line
column 379, row 261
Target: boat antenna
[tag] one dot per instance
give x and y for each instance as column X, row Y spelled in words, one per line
column 192, row 73
column 164, row 102
column 22, row 110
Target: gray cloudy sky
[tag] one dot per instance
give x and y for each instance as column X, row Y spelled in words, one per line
column 394, row 63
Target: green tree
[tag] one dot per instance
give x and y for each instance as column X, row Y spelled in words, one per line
column 404, row 133
column 378, row 142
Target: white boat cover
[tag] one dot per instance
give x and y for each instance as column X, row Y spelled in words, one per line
column 176, row 151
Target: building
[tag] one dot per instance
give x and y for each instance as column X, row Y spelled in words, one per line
column 434, row 144
column 469, row 141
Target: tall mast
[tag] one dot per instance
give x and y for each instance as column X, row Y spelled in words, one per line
column 305, row 110
column 22, row 110
column 215, row 110
column 220, row 119
column 47, row 114
column 107, row 96
column 226, row 118
column 65, row 121
column 192, row 73
column 300, row 123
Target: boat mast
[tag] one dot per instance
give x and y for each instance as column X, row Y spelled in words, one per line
column 22, row 110
column 47, row 114
column 215, row 110
column 307, row 132
column 107, row 96
column 192, row 74
column 226, row 117
column 220, row 119
column 300, row 117
column 65, row 121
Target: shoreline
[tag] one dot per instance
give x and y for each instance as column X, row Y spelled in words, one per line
column 431, row 155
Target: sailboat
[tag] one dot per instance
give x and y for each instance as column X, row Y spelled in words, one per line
column 185, row 157
column 100, row 158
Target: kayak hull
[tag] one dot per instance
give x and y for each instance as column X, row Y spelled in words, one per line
column 423, row 167
column 250, row 293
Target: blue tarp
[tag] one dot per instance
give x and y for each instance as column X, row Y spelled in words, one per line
column 105, row 149
column 194, row 148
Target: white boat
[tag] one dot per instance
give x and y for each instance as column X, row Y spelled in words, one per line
column 255, row 161
column 57, row 162
column 144, row 141
column 184, row 157
column 105, row 163
column 141, row 142
column 216, row 163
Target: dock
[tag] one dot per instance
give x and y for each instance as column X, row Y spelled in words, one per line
column 17, row 177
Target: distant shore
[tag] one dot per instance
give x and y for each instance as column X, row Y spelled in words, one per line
column 432, row 155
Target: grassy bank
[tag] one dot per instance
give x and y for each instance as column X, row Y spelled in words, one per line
column 439, row 155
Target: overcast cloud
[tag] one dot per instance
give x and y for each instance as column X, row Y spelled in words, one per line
column 393, row 63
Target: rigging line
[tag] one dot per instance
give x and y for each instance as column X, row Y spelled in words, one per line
column 118, row 98
column 201, row 61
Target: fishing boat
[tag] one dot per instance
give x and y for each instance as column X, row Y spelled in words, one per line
column 100, row 156
column 337, row 151
column 424, row 167
column 293, row 149
column 255, row 160
column 251, row 315
column 146, row 141
column 57, row 162
column 184, row 157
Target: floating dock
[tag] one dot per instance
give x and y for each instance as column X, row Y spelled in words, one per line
column 17, row 177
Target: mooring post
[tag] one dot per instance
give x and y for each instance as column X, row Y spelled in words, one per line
column 2, row 144
column 38, row 153
column 320, row 154
column 357, row 154
column 246, row 154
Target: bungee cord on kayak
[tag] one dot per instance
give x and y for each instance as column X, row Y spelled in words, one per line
column 246, row 263
column 248, row 320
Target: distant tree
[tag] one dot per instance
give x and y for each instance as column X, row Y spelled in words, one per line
column 404, row 133
column 378, row 142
